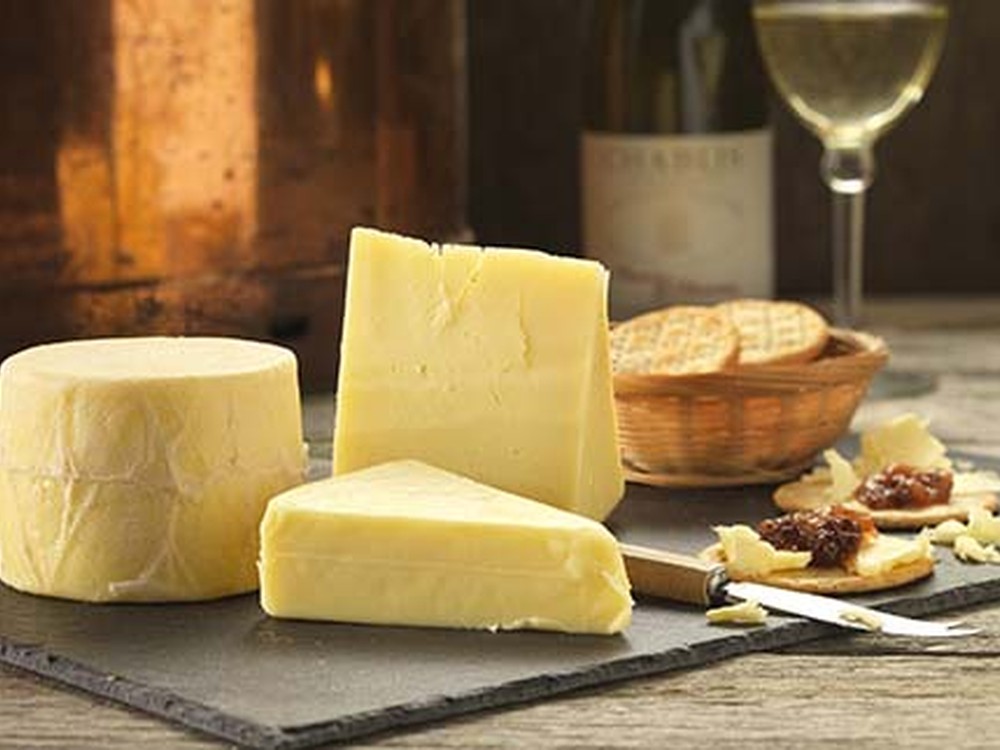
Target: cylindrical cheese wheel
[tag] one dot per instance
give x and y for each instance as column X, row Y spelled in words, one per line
column 138, row 469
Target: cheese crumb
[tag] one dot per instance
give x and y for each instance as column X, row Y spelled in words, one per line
column 748, row 612
column 867, row 619
column 948, row 531
column 968, row 549
column 984, row 526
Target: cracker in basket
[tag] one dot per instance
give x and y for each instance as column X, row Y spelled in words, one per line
column 903, row 477
column 772, row 333
column 830, row 551
column 681, row 340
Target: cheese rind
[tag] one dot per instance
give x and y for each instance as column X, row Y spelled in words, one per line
column 493, row 363
column 404, row 543
column 137, row 469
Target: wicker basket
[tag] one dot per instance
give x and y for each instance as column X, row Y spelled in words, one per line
column 747, row 426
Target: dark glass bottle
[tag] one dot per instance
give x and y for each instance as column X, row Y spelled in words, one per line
column 676, row 152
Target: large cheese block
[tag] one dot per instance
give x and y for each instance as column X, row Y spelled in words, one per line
column 137, row 469
column 404, row 543
column 492, row 363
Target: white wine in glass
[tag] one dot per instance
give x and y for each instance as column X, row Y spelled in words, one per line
column 849, row 69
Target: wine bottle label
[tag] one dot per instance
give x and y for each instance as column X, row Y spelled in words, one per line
column 679, row 218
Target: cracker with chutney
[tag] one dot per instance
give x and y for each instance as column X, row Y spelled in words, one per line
column 903, row 478
column 830, row 551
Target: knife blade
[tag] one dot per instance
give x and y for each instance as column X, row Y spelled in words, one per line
column 691, row 580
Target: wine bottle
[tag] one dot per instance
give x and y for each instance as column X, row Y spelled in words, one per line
column 676, row 166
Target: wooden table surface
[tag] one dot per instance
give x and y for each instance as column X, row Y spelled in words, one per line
column 860, row 690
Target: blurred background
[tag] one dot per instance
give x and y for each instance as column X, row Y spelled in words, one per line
column 934, row 209
column 194, row 166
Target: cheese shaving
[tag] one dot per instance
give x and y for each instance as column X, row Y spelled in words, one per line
column 747, row 554
column 891, row 552
column 948, row 531
column 748, row 612
column 973, row 482
column 867, row 619
column 904, row 439
column 968, row 549
column 983, row 526
column 843, row 479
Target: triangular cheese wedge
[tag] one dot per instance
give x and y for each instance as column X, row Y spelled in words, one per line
column 493, row 363
column 404, row 543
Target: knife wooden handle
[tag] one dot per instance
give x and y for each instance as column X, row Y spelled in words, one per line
column 672, row 576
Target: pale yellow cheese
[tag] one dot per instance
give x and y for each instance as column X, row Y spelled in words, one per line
column 843, row 479
column 137, row 469
column 864, row 617
column 747, row 555
column 984, row 526
column 968, row 549
column 948, row 531
column 974, row 482
column 404, row 543
column 748, row 612
column 492, row 363
column 889, row 553
column 904, row 439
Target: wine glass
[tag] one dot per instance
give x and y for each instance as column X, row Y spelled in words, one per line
column 849, row 70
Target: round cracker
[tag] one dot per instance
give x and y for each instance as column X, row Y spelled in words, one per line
column 776, row 332
column 681, row 340
column 832, row 581
column 810, row 495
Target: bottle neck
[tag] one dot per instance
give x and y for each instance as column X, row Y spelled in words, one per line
column 674, row 66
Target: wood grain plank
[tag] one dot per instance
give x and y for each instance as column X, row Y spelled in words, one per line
column 841, row 689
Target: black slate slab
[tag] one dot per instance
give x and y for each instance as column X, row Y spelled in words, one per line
column 226, row 668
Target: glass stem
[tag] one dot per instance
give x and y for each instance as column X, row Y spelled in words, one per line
column 848, row 171
column 848, row 238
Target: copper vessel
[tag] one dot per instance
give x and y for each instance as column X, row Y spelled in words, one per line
column 193, row 166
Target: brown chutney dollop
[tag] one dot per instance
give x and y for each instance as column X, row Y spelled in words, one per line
column 904, row 486
column 832, row 535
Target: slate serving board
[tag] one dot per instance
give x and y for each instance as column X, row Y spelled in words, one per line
column 225, row 668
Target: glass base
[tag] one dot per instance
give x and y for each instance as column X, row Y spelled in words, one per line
column 892, row 385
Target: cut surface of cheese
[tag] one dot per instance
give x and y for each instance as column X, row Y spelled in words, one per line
column 405, row 543
column 492, row 363
column 137, row 469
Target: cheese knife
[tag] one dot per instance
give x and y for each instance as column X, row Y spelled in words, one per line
column 683, row 578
